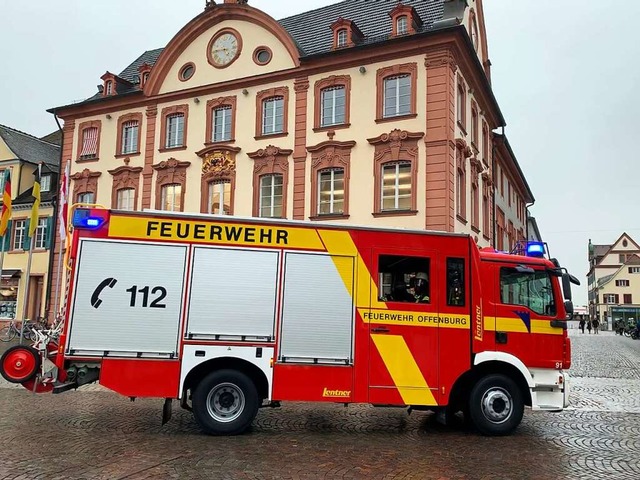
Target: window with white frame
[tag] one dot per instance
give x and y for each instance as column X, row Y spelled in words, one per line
column 126, row 199
column 401, row 25
column 219, row 197
column 45, row 183
column 396, row 186
column 397, row 95
column 333, row 106
column 342, row 37
column 171, row 197
column 271, row 195
column 610, row 298
column 41, row 234
column 175, row 131
column 86, row 197
column 221, row 124
column 273, row 115
column 331, row 191
column 19, row 234
column 130, row 137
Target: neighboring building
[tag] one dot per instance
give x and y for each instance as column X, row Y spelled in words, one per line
column 362, row 112
column 614, row 280
column 512, row 196
column 21, row 153
column 533, row 232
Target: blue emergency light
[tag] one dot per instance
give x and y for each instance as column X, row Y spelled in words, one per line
column 82, row 219
column 535, row 249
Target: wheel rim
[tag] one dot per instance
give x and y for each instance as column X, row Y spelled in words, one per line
column 497, row 405
column 19, row 365
column 225, row 402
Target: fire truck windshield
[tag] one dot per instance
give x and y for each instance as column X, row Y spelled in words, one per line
column 533, row 290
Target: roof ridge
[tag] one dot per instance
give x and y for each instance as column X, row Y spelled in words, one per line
column 312, row 10
column 33, row 137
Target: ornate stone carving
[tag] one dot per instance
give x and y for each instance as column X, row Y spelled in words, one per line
column 396, row 141
column 218, row 163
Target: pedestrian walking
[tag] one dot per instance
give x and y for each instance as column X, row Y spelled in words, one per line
column 589, row 326
column 596, row 323
column 582, row 324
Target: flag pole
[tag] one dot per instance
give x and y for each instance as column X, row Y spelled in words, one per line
column 32, row 232
column 62, row 219
column 26, row 288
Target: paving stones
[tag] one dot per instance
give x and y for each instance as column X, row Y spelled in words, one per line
column 96, row 434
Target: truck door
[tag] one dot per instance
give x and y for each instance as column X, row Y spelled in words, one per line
column 403, row 328
column 527, row 304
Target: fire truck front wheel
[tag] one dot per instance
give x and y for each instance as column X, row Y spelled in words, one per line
column 225, row 402
column 495, row 405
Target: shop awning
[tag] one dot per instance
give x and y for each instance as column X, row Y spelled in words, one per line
column 10, row 273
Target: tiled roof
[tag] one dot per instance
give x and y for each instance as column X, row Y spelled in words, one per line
column 29, row 148
column 25, row 198
column 312, row 30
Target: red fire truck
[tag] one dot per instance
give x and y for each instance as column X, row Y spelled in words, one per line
column 229, row 314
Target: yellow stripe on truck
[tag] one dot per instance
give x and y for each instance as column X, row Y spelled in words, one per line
column 414, row 319
column 404, row 370
column 340, row 243
column 208, row 232
column 516, row 325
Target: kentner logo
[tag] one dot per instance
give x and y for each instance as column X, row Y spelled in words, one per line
column 336, row 393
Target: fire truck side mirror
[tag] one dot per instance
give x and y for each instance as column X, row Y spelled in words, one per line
column 568, row 307
column 566, row 286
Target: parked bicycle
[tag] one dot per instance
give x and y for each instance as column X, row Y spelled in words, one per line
column 12, row 330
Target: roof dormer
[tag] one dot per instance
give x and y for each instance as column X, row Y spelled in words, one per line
column 345, row 33
column 111, row 82
column 144, row 70
column 405, row 20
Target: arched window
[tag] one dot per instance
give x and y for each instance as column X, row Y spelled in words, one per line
column 331, row 191
column 271, row 196
column 396, row 186
column 401, row 25
column 219, row 197
column 342, row 38
column 126, row 198
column 171, row 197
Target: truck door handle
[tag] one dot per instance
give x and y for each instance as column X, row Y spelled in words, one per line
column 380, row 330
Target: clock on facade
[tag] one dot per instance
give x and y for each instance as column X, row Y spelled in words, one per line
column 224, row 48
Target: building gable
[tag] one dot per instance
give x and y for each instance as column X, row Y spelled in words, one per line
column 226, row 42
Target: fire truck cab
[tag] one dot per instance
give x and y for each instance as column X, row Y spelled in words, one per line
column 227, row 315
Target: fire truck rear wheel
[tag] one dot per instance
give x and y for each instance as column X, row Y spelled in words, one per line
column 225, row 402
column 495, row 405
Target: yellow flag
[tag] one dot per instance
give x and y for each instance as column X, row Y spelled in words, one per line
column 5, row 216
column 33, row 225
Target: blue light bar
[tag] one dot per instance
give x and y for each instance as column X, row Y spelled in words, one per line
column 82, row 219
column 535, row 249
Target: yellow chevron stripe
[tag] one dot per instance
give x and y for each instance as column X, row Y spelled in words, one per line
column 404, row 370
column 510, row 324
column 340, row 243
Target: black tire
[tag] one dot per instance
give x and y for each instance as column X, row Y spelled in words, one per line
column 495, row 405
column 225, row 402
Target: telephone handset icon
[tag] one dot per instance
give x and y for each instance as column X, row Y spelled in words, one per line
column 95, row 298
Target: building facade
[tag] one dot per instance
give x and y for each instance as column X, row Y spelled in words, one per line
column 20, row 153
column 614, row 281
column 371, row 113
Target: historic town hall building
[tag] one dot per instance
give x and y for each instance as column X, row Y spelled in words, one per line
column 367, row 112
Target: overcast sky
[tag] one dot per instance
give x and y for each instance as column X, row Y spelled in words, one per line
column 563, row 73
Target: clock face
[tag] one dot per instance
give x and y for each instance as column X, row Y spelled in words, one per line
column 224, row 49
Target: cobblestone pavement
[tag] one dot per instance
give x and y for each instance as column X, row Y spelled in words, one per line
column 95, row 434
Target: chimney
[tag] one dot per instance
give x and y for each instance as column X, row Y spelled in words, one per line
column 239, row 2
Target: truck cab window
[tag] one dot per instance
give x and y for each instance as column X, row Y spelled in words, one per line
column 455, row 282
column 532, row 290
column 404, row 279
